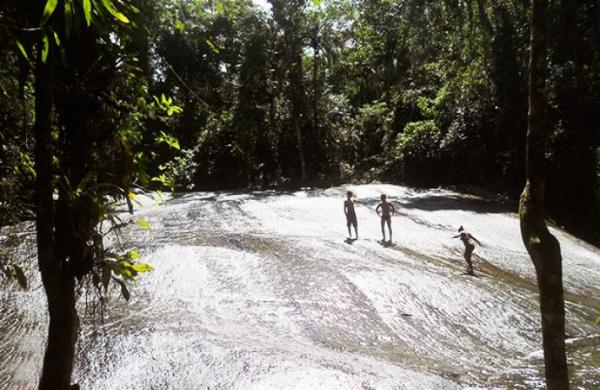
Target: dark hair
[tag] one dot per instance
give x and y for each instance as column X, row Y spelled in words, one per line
column 349, row 193
column 383, row 196
column 460, row 229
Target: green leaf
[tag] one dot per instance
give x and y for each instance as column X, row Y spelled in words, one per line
column 22, row 49
column 68, row 17
column 179, row 26
column 598, row 320
column 124, row 290
column 108, row 4
column 165, row 181
column 220, row 7
column 144, row 224
column 212, row 46
column 21, row 278
column 133, row 197
column 143, row 175
column 56, row 39
column 168, row 139
column 45, row 48
column 142, row 267
column 48, row 10
column 133, row 255
column 316, row 3
column 87, row 11
column 158, row 198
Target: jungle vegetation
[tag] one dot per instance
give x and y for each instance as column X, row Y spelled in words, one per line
column 100, row 97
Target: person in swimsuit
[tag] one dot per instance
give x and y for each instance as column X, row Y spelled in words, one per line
column 350, row 215
column 385, row 210
column 469, row 241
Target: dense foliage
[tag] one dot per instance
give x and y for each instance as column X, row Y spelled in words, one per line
column 322, row 92
column 427, row 93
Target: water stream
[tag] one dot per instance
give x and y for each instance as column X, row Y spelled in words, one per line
column 261, row 291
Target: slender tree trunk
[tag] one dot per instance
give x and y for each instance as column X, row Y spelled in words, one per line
column 57, row 277
column 43, row 168
column 300, row 148
column 315, row 80
column 58, row 359
column 298, row 106
column 542, row 246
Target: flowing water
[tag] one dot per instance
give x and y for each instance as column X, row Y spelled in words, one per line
column 261, row 291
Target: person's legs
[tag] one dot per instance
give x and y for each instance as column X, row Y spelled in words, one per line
column 383, row 227
column 349, row 231
column 468, row 253
column 356, row 228
column 389, row 223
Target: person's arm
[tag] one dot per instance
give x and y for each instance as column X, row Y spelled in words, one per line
column 458, row 235
column 345, row 208
column 377, row 209
column 476, row 240
column 392, row 208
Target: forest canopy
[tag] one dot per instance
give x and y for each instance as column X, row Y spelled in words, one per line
column 229, row 94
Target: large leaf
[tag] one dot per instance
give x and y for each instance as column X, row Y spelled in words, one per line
column 48, row 10
column 68, row 17
column 22, row 49
column 142, row 267
column 87, row 11
column 45, row 48
column 56, row 39
column 108, row 4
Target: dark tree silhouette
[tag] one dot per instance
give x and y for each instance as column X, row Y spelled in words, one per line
column 543, row 247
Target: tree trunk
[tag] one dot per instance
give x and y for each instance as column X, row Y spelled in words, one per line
column 542, row 246
column 298, row 106
column 300, row 149
column 315, row 80
column 62, row 331
column 56, row 275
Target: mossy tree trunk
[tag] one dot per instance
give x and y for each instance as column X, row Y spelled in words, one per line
column 542, row 246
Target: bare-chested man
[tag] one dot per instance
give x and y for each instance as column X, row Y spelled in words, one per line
column 385, row 210
column 350, row 215
column 467, row 239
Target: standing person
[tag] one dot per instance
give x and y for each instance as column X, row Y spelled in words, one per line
column 385, row 210
column 350, row 215
column 467, row 239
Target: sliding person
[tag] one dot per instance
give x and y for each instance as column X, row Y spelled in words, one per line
column 469, row 242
